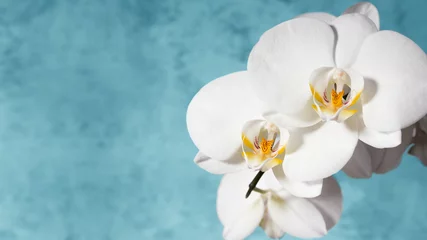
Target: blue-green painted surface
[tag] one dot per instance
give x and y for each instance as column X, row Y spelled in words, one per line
column 93, row 141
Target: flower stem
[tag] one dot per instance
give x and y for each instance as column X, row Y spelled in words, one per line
column 254, row 182
column 258, row 190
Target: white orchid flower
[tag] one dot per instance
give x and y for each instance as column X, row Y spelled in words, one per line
column 419, row 149
column 274, row 209
column 367, row 160
column 340, row 81
column 225, row 122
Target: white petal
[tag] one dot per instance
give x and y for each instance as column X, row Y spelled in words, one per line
column 319, row 78
column 322, row 151
column 357, row 87
column 357, row 81
column 379, row 139
column 239, row 216
column 367, row 9
column 393, row 156
column 367, row 159
column 284, row 58
column 326, row 17
column 377, row 156
column 422, row 124
column 219, row 167
column 296, row 188
column 305, row 118
column 217, row 113
column 246, row 222
column 271, row 229
column 329, row 203
column 395, row 69
column 297, row 217
column 360, row 164
column 351, row 29
column 419, row 149
column 269, row 181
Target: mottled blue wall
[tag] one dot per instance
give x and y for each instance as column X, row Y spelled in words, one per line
column 93, row 141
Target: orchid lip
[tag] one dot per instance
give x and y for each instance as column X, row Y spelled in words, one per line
column 333, row 96
column 262, row 147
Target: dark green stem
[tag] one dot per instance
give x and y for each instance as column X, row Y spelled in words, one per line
column 254, row 182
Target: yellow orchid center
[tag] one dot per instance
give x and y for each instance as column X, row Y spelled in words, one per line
column 333, row 95
column 262, row 147
column 266, row 145
column 337, row 99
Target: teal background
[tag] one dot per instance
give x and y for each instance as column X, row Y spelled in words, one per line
column 93, row 139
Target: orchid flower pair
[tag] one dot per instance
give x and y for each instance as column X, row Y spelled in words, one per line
column 318, row 91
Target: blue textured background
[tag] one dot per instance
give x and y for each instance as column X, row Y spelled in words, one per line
column 93, row 141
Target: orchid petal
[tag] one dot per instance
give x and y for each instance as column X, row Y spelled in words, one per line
column 378, row 139
column 326, row 17
column 360, row 164
column 323, row 150
column 219, row 167
column 367, row 9
column 352, row 29
column 329, row 203
column 296, row 216
column 240, row 216
column 271, row 229
column 217, row 113
column 419, row 149
column 304, row 118
column 422, row 124
column 396, row 70
column 269, row 181
column 283, row 59
column 393, row 156
column 298, row 189
column 367, row 159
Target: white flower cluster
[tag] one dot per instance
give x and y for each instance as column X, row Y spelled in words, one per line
column 320, row 94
